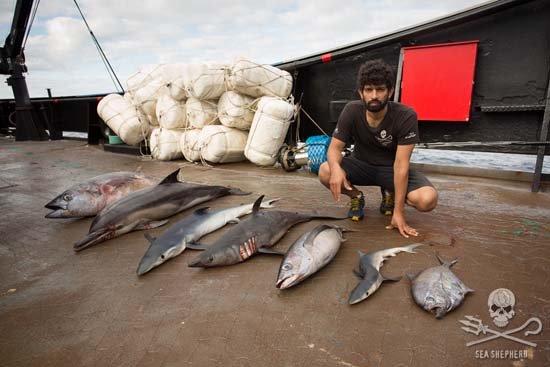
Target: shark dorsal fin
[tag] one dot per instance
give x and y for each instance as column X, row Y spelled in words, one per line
column 202, row 211
column 257, row 203
column 171, row 178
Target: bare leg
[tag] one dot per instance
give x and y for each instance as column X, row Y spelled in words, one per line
column 423, row 199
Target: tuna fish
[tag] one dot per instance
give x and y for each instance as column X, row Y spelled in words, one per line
column 369, row 271
column 187, row 231
column 148, row 208
column 438, row 290
column 253, row 235
column 311, row 252
column 88, row 198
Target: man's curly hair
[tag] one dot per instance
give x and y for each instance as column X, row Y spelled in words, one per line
column 375, row 72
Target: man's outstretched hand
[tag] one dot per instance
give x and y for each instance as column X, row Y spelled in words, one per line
column 398, row 221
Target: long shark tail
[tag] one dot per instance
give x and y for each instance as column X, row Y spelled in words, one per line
column 411, row 248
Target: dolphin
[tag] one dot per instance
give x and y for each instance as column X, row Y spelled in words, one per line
column 148, row 208
column 89, row 197
column 187, row 231
column 253, row 235
column 369, row 271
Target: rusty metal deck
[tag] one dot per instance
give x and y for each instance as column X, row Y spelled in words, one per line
column 60, row 308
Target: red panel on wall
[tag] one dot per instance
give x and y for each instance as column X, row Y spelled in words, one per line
column 438, row 80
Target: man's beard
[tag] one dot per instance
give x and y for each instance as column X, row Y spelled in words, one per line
column 373, row 106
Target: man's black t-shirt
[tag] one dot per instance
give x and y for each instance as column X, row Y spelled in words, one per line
column 377, row 146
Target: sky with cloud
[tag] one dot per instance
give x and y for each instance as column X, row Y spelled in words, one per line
column 60, row 53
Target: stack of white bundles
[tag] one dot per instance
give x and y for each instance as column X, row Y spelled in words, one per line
column 189, row 145
column 222, row 144
column 165, row 144
column 236, row 110
column 201, row 113
column 121, row 116
column 171, row 113
column 205, row 81
column 258, row 80
column 268, row 130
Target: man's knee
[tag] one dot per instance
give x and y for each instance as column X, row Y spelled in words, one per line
column 424, row 199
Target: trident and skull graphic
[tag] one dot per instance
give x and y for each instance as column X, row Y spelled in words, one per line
column 501, row 305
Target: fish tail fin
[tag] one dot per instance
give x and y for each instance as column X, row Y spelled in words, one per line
column 269, row 203
column 411, row 248
column 448, row 264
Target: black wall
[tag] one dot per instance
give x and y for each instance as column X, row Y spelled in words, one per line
column 512, row 68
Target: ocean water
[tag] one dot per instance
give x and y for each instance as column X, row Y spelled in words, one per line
column 497, row 161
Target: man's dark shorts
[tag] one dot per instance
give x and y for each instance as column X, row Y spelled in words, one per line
column 360, row 173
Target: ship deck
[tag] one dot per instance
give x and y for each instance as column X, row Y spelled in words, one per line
column 61, row 308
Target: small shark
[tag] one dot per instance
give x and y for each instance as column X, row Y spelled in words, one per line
column 369, row 271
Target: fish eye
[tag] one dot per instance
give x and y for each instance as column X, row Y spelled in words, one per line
column 162, row 256
column 287, row 266
column 67, row 197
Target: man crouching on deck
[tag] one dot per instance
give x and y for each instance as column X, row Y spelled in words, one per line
column 384, row 134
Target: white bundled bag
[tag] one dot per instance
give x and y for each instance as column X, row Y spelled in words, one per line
column 141, row 116
column 268, row 130
column 144, row 76
column 189, row 145
column 165, row 144
column 171, row 113
column 177, row 89
column 259, row 80
column 122, row 117
column 201, row 113
column 204, row 80
column 146, row 98
column 176, row 85
column 222, row 144
column 171, row 72
column 235, row 110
